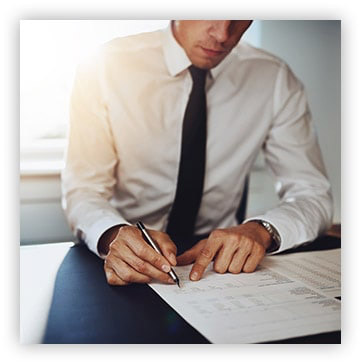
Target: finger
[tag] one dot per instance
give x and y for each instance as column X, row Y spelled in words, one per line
column 206, row 255
column 113, row 279
column 190, row 255
column 254, row 258
column 238, row 260
column 125, row 272
column 143, row 267
column 132, row 237
column 166, row 245
column 148, row 254
column 224, row 258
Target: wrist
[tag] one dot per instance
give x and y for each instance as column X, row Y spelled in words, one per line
column 272, row 237
column 262, row 235
column 107, row 238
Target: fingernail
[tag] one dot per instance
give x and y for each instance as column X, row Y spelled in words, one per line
column 194, row 276
column 170, row 280
column 165, row 268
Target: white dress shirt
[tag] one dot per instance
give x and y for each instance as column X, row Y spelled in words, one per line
column 123, row 156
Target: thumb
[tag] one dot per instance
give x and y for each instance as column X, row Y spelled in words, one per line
column 189, row 256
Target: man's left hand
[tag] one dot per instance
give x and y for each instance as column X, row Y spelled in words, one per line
column 237, row 249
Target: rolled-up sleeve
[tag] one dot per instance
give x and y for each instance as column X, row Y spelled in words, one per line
column 293, row 155
column 88, row 178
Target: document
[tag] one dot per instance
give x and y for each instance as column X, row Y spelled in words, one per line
column 321, row 270
column 287, row 296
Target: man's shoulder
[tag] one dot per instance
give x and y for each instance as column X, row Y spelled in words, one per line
column 123, row 55
column 259, row 62
column 261, row 66
column 132, row 43
column 245, row 51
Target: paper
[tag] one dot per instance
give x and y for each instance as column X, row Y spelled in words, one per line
column 287, row 296
column 320, row 270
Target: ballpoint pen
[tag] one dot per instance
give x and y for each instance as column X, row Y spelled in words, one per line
column 150, row 241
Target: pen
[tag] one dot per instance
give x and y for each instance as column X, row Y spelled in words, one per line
column 149, row 240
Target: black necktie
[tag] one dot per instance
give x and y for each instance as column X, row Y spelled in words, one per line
column 192, row 163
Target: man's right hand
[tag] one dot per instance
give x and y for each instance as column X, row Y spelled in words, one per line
column 129, row 259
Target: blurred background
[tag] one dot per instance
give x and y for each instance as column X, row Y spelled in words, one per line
column 49, row 53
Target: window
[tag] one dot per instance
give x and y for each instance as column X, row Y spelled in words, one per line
column 50, row 51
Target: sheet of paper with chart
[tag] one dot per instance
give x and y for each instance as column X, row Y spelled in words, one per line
column 287, row 296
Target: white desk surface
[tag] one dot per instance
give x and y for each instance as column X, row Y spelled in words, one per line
column 38, row 267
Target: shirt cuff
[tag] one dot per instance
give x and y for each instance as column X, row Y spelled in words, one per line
column 93, row 235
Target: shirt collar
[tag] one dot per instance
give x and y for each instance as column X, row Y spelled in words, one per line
column 175, row 57
column 214, row 72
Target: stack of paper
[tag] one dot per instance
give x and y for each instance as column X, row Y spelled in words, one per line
column 287, row 296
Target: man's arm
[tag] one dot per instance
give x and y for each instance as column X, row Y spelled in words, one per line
column 292, row 152
column 89, row 175
column 88, row 182
column 293, row 155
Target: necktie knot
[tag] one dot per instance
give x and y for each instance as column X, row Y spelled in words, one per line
column 198, row 75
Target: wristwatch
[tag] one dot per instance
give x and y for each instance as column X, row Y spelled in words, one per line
column 276, row 240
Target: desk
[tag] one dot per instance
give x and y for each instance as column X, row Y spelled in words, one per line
column 148, row 319
column 38, row 267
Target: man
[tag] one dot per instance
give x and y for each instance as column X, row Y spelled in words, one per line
column 165, row 127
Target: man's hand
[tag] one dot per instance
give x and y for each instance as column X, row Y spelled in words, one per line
column 236, row 249
column 130, row 259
